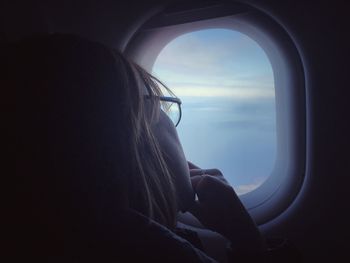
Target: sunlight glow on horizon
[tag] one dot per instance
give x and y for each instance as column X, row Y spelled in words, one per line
column 225, row 92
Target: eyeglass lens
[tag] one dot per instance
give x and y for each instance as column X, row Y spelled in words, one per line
column 172, row 110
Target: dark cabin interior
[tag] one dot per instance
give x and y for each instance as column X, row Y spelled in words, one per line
column 318, row 225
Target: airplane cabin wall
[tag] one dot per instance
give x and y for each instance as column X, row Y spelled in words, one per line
column 317, row 222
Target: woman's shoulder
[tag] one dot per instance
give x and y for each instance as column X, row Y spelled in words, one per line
column 140, row 238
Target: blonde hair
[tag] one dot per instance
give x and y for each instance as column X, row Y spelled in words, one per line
column 151, row 190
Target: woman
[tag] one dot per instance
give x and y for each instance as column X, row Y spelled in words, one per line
column 101, row 174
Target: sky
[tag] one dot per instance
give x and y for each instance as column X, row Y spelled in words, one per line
column 225, row 82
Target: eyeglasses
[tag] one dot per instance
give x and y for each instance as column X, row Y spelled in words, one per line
column 172, row 107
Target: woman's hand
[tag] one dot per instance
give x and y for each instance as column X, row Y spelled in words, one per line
column 219, row 209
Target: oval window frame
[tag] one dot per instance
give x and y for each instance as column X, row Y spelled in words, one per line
column 280, row 189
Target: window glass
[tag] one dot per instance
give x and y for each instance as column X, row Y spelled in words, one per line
column 226, row 85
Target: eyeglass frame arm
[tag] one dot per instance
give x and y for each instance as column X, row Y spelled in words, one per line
column 170, row 99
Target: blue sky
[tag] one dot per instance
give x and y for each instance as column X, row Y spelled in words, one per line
column 225, row 82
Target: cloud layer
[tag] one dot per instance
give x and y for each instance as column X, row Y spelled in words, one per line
column 225, row 81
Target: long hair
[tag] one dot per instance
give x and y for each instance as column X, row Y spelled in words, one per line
column 83, row 134
column 150, row 187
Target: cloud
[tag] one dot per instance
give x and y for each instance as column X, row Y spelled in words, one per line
column 186, row 79
column 246, row 188
column 248, row 124
column 215, row 63
column 209, row 109
column 190, row 52
column 212, row 52
column 237, row 92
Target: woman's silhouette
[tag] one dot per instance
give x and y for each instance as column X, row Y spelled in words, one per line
column 100, row 171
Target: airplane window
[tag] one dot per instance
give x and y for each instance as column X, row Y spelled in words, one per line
column 226, row 84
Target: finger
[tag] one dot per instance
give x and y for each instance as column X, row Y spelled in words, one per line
column 192, row 166
column 205, row 188
column 194, row 172
column 195, row 180
column 214, row 171
column 210, row 188
column 217, row 173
